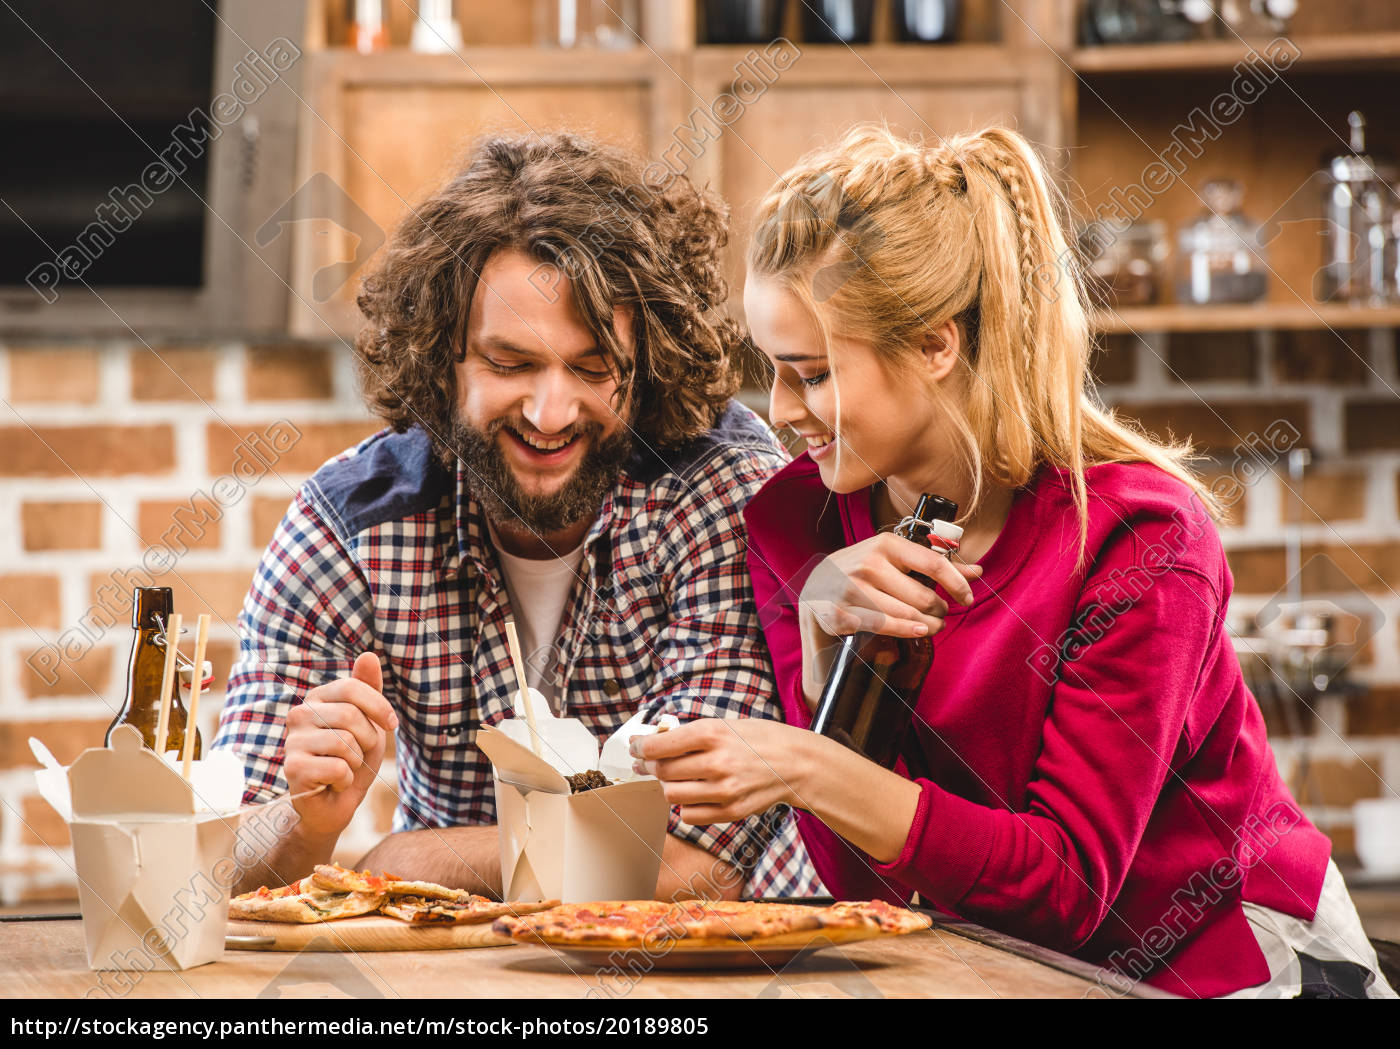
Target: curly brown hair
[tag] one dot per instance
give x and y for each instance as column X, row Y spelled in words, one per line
column 623, row 233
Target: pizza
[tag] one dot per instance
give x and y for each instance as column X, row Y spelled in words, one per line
column 624, row 922
column 694, row 924
column 877, row 914
column 331, row 892
column 342, row 879
column 291, row 903
column 420, row 910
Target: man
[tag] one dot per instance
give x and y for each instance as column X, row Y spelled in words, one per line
column 544, row 340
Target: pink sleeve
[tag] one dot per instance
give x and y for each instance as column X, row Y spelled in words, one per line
column 1118, row 714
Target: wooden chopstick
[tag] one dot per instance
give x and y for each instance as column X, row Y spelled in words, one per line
column 167, row 680
column 201, row 639
column 515, row 658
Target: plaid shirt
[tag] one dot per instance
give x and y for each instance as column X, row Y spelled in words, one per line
column 381, row 551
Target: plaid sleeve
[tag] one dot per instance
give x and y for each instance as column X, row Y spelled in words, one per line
column 303, row 622
column 714, row 663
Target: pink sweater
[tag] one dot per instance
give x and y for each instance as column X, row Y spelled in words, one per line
column 1101, row 781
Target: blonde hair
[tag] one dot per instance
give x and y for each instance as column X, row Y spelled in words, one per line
column 889, row 239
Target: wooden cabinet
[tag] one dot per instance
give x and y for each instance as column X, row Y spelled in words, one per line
column 1264, row 112
column 387, row 129
column 381, row 131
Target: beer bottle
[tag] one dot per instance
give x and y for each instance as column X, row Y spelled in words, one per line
column 150, row 612
column 869, row 698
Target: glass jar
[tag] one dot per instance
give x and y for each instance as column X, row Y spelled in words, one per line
column 1359, row 212
column 926, row 21
column 369, row 28
column 1126, row 270
column 837, row 21
column 742, row 21
column 608, row 24
column 1256, row 17
column 1219, row 257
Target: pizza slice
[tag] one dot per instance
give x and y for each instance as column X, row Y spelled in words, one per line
column 886, row 917
column 295, row 904
column 341, row 879
column 419, row 910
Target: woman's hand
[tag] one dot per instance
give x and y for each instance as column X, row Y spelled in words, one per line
column 867, row 587
column 723, row 769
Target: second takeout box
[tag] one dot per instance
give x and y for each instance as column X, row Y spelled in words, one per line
column 602, row 844
column 148, row 848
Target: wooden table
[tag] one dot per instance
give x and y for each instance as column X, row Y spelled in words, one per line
column 45, row 959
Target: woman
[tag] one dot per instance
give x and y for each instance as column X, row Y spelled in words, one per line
column 1099, row 779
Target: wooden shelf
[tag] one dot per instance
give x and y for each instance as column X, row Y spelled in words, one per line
column 834, row 64
column 1349, row 51
column 869, row 64
column 506, row 64
column 1256, row 316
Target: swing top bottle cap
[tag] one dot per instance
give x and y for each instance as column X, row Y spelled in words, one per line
column 935, row 514
column 947, row 530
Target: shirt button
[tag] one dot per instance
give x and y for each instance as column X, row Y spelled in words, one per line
column 611, row 687
column 454, row 730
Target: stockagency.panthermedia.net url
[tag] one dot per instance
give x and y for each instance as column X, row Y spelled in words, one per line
column 603, row 1026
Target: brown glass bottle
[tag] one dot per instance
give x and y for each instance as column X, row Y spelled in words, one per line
column 150, row 611
column 869, row 698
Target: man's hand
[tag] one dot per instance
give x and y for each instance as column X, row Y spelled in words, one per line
column 336, row 737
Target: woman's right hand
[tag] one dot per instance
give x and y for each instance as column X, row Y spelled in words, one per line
column 867, row 588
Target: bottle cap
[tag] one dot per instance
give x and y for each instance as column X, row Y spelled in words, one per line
column 205, row 679
column 947, row 530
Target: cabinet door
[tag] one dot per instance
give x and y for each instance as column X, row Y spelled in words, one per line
column 386, row 130
column 927, row 92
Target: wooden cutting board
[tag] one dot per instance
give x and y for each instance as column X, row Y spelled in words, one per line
column 372, row 932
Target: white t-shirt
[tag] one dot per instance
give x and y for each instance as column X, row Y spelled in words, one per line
column 539, row 592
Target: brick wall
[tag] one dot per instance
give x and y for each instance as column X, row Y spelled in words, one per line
column 122, row 464
column 115, row 455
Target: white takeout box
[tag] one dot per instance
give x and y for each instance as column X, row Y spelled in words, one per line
column 602, row 844
column 146, row 845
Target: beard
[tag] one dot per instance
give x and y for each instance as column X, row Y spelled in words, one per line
column 493, row 483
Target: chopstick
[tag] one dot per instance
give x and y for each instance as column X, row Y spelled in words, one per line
column 524, row 688
column 201, row 639
column 167, row 681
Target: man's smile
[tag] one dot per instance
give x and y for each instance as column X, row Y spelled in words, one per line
column 539, row 451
